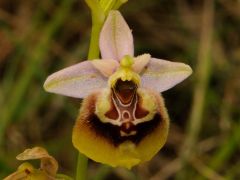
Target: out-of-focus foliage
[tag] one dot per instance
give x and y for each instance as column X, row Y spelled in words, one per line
column 38, row 38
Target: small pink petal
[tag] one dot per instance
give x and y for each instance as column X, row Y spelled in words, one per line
column 76, row 81
column 162, row 75
column 116, row 38
column 140, row 62
column 106, row 66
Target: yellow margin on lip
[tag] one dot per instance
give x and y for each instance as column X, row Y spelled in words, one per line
column 127, row 154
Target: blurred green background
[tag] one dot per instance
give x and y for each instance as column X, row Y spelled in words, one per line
column 38, row 38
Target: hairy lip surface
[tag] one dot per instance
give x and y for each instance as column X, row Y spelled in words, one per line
column 112, row 133
column 126, row 130
column 104, row 142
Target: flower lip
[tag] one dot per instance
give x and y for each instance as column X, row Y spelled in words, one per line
column 125, row 121
column 116, row 135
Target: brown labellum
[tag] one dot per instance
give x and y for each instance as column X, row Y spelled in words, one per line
column 120, row 118
column 126, row 119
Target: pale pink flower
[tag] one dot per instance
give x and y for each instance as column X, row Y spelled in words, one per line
column 123, row 120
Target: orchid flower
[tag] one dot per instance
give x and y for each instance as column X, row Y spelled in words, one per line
column 48, row 166
column 123, row 120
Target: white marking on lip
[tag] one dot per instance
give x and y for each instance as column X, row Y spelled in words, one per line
column 120, row 102
column 122, row 133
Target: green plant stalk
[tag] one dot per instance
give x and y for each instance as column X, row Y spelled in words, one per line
column 107, row 5
column 94, row 42
column 82, row 164
column 93, row 53
column 99, row 12
column 98, row 18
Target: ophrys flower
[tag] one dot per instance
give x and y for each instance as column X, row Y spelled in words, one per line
column 48, row 166
column 123, row 120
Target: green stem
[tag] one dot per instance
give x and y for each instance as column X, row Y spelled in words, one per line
column 93, row 47
column 97, row 23
column 82, row 164
column 99, row 13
